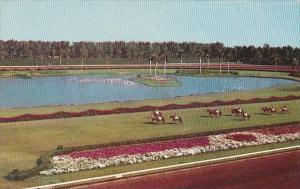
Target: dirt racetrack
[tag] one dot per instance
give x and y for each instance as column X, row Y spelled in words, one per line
column 280, row 171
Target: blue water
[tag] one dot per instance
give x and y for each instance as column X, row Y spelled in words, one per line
column 64, row 90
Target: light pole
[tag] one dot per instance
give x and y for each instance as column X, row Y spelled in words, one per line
column 198, row 53
column 150, row 67
column 165, row 67
column 200, row 61
column 220, row 65
column 155, row 70
column 207, row 62
column 180, row 51
column 227, row 66
column 81, row 64
column 180, row 64
column 59, row 54
column 150, row 64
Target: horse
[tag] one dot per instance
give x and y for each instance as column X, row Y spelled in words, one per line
column 158, row 119
column 284, row 109
column 236, row 111
column 268, row 110
column 245, row 115
column 176, row 119
column 214, row 112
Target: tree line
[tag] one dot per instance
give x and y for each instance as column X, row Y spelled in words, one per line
column 141, row 52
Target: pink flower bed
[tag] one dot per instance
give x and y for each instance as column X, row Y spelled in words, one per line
column 242, row 137
column 181, row 143
column 141, row 148
column 145, row 152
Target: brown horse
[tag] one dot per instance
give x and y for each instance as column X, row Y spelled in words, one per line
column 158, row 119
column 269, row 110
column 284, row 109
column 176, row 119
column 214, row 112
column 245, row 115
column 236, row 111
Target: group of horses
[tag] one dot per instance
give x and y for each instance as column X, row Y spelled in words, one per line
column 157, row 117
column 273, row 110
column 215, row 112
column 237, row 111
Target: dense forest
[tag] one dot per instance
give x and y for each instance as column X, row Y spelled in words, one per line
column 62, row 52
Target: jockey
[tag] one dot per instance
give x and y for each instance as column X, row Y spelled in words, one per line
column 239, row 109
column 273, row 109
column 157, row 113
column 284, row 108
column 176, row 117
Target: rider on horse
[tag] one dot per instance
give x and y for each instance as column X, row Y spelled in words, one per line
column 157, row 113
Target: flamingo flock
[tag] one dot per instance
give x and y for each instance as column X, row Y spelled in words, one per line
column 118, row 81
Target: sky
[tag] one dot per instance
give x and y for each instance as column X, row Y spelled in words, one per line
column 232, row 22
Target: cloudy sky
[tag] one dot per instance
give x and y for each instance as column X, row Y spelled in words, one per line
column 233, row 22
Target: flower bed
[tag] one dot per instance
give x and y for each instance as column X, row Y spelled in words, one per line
column 242, row 137
column 140, row 148
column 138, row 153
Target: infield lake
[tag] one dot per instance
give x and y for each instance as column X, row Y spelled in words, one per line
column 66, row 90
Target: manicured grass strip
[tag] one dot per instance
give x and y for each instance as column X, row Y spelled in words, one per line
column 93, row 112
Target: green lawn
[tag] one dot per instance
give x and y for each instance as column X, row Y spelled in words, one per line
column 22, row 143
column 238, row 73
column 152, row 82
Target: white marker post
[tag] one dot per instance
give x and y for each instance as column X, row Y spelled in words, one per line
column 150, row 67
column 228, row 67
column 200, row 61
column 165, row 68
